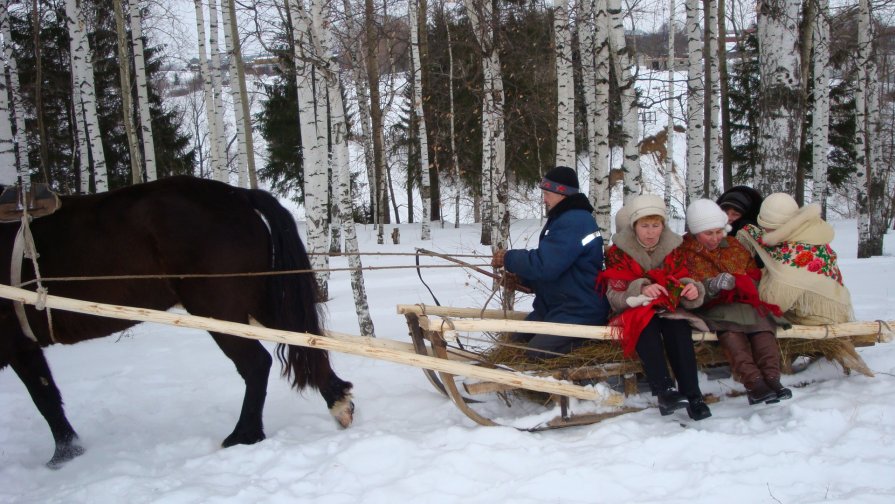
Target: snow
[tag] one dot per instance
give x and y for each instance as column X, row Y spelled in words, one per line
column 152, row 405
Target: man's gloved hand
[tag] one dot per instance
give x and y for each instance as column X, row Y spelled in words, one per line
column 722, row 281
column 497, row 258
column 510, row 281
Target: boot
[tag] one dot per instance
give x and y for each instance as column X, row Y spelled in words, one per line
column 782, row 392
column 670, row 400
column 738, row 351
column 759, row 392
column 697, row 409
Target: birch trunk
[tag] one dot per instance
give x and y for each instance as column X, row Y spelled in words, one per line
column 341, row 167
column 713, row 101
column 214, row 150
column 565, row 86
column 820, row 116
column 455, row 160
column 127, row 106
column 372, row 61
column 871, row 204
column 724, row 87
column 630, row 108
column 780, row 107
column 76, row 54
column 142, row 90
column 15, row 96
column 8, row 173
column 228, row 20
column 222, row 170
column 85, row 98
column 669, row 126
column 592, row 32
column 414, row 17
column 695, row 98
column 311, row 112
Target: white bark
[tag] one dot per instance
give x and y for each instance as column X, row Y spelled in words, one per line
column 8, row 173
column 127, row 106
column 820, row 117
column 85, row 98
column 630, row 108
column 222, row 170
column 416, row 67
column 593, row 29
column 214, row 146
column 871, row 204
column 242, row 172
column 780, row 117
column 342, row 169
column 695, row 115
column 455, row 160
column 75, row 56
column 565, row 86
column 713, row 101
column 15, row 95
column 312, row 117
column 142, row 90
column 669, row 126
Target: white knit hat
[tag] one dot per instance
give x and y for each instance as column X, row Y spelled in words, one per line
column 776, row 210
column 705, row 214
column 644, row 206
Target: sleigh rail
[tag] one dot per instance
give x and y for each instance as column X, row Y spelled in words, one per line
column 477, row 334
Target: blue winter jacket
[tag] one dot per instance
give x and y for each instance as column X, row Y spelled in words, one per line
column 563, row 270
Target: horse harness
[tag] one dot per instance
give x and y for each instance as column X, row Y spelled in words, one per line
column 25, row 205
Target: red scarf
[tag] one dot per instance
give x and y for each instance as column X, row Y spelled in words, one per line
column 622, row 269
column 746, row 292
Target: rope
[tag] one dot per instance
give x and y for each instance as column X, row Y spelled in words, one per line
column 879, row 332
column 226, row 275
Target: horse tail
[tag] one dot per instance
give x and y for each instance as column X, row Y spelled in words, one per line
column 292, row 297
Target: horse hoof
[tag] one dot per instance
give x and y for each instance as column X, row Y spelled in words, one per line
column 343, row 411
column 63, row 454
column 237, row 437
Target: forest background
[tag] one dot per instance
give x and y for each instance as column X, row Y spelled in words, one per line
column 450, row 112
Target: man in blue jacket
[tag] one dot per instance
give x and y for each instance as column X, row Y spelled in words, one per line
column 562, row 271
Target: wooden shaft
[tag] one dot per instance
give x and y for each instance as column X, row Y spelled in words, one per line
column 303, row 339
column 447, row 311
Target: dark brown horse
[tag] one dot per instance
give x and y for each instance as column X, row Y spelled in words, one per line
column 178, row 225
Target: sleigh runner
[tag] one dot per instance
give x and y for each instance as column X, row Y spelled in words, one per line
column 480, row 338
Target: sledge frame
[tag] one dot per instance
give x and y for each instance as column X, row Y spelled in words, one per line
column 432, row 329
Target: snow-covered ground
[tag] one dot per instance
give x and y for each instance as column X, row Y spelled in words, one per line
column 152, row 405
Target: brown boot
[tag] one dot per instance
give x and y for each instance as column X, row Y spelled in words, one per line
column 782, row 392
column 759, row 392
column 739, row 354
column 767, row 358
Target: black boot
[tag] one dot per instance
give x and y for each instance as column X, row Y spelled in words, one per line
column 697, row 408
column 759, row 392
column 670, row 400
column 782, row 392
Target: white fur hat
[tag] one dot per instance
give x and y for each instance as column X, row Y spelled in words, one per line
column 776, row 210
column 644, row 206
column 705, row 214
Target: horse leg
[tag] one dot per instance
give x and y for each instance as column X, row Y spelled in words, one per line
column 31, row 366
column 337, row 394
column 253, row 364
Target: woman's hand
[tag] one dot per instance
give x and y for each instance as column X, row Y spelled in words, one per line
column 690, row 292
column 653, row 290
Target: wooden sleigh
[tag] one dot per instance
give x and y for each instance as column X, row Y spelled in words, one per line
column 478, row 337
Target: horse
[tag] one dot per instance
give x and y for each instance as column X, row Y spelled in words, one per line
column 211, row 234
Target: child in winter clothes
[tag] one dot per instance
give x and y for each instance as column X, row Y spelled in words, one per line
column 801, row 273
column 741, row 203
column 745, row 325
column 646, row 281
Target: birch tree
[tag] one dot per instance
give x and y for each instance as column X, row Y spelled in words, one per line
column 695, row 100
column 669, row 126
column 483, row 18
column 872, row 201
column 565, row 86
column 820, row 113
column 218, row 160
column 8, row 174
column 624, row 64
column 85, row 98
column 593, row 29
column 414, row 20
column 712, row 107
column 231, row 36
column 376, row 119
column 312, row 96
column 142, row 90
column 222, row 170
column 455, row 160
column 15, row 96
column 126, row 105
column 780, row 116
